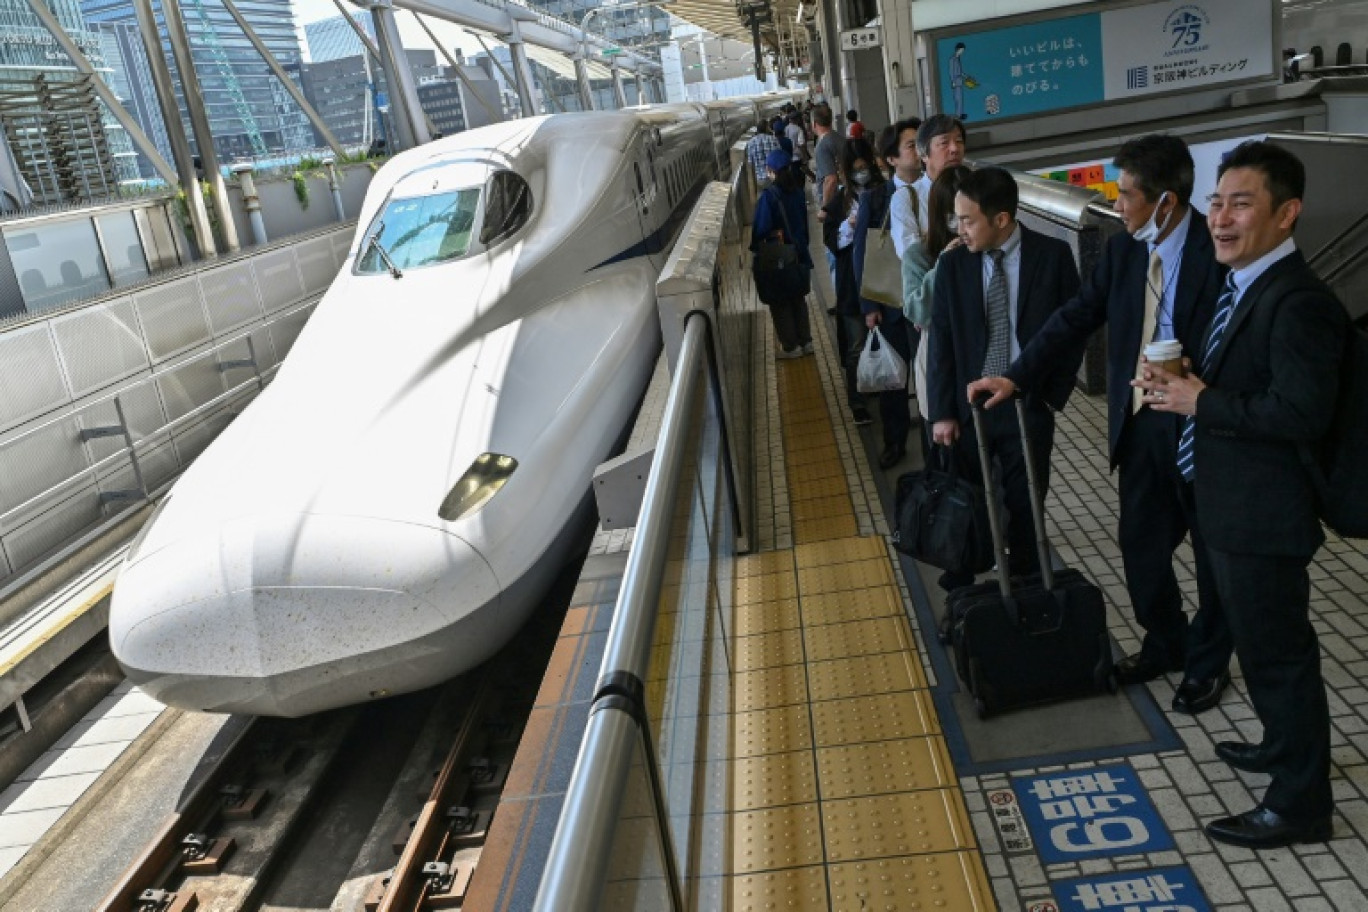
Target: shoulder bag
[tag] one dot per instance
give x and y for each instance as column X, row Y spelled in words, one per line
column 779, row 272
column 882, row 278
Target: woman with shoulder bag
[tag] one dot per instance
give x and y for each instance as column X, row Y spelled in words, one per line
column 919, row 263
column 857, row 171
column 781, row 263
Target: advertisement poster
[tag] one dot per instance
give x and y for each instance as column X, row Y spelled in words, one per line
column 1104, row 56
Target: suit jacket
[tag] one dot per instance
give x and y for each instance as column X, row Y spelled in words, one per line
column 873, row 210
column 1270, row 393
column 1115, row 295
column 959, row 324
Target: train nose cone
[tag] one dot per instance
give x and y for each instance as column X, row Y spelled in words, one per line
column 293, row 614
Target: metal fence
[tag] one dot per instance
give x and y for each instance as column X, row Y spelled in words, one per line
column 100, row 404
column 641, row 827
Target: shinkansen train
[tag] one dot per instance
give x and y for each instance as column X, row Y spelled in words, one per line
column 389, row 510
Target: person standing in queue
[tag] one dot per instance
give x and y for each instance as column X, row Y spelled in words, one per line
column 1261, row 392
column 1157, row 282
column 878, row 207
column 940, row 145
column 992, row 295
column 857, row 173
column 781, row 215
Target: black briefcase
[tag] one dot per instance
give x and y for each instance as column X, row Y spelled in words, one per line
column 1033, row 639
column 941, row 519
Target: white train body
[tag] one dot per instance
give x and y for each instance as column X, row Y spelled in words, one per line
column 301, row 563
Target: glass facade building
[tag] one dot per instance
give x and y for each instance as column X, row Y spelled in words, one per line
column 250, row 114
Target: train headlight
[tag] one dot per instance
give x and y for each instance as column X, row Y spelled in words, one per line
column 486, row 475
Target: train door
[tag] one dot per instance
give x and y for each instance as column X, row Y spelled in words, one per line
column 651, row 211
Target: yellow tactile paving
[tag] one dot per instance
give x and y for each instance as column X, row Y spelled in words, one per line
column 837, row 754
column 820, row 554
column 906, row 823
column 793, row 890
column 822, row 508
column 841, row 577
column 771, row 587
column 771, row 731
column 951, row 881
column 880, row 767
column 878, row 717
column 767, row 688
column 781, row 837
column 856, row 676
column 856, row 638
column 854, row 605
column 764, row 650
column 771, row 780
column 766, row 617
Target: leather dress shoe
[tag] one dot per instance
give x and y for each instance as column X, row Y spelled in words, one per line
column 1262, row 828
column 1196, row 695
column 892, row 455
column 1142, row 667
column 1248, row 757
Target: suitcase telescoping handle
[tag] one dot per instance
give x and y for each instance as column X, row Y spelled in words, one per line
column 994, row 512
column 1037, row 499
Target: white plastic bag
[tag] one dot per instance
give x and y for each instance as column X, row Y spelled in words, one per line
column 881, row 368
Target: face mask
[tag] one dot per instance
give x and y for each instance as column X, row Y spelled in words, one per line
column 1149, row 232
column 860, row 177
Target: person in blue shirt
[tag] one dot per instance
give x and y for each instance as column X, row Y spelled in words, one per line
column 781, row 217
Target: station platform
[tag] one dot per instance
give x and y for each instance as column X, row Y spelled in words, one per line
column 847, row 770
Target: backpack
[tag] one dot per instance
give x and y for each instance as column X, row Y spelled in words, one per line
column 1340, row 469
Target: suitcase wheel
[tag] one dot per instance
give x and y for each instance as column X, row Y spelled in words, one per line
column 943, row 629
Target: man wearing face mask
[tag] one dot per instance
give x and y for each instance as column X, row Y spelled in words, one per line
column 1160, row 281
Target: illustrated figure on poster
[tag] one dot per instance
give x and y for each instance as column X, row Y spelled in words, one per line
column 959, row 81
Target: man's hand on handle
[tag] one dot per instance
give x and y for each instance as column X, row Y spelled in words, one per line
column 945, row 433
column 1001, row 389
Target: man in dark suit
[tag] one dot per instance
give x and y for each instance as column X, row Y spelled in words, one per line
column 1262, row 394
column 1159, row 281
column 993, row 294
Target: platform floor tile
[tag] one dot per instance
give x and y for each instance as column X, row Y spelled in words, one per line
column 765, row 650
column 822, row 554
column 856, row 638
column 766, row 617
column 857, row 676
column 877, row 717
column 905, row 823
column 770, row 731
column 774, row 838
column 793, row 890
column 883, row 767
column 950, row 881
column 771, row 780
column 853, row 605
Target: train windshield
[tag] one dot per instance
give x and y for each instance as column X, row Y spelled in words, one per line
column 421, row 231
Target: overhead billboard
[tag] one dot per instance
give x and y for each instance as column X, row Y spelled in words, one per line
column 1113, row 54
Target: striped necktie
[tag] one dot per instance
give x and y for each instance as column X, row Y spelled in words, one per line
column 999, row 356
column 1225, row 307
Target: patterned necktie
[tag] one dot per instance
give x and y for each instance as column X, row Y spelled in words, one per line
column 1154, row 290
column 1225, row 307
column 999, row 322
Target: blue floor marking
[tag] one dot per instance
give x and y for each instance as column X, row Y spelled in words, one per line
column 1154, row 890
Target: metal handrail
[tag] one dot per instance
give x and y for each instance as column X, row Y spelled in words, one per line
column 1314, row 259
column 95, row 467
column 577, row 863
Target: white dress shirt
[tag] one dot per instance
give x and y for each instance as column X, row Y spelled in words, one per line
column 1171, row 255
column 902, row 221
column 923, row 187
column 1248, row 275
column 1011, row 264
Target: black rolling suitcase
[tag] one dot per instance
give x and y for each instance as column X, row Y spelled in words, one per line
column 1031, row 639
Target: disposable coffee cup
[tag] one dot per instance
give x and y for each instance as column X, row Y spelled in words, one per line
column 1167, row 354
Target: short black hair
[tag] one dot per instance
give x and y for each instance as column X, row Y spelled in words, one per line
column 1158, row 162
column 993, row 189
column 852, row 114
column 1284, row 174
column 933, row 126
column 891, row 139
column 959, row 45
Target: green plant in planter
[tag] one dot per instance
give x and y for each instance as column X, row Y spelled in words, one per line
column 301, row 188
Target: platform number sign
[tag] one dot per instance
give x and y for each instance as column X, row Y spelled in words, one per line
column 859, row 39
column 1158, row 890
column 1079, row 814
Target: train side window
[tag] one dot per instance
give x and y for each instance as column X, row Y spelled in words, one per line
column 508, row 205
column 641, row 188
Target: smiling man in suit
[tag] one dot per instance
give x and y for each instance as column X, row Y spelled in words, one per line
column 1261, row 395
column 1156, row 282
column 993, row 293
